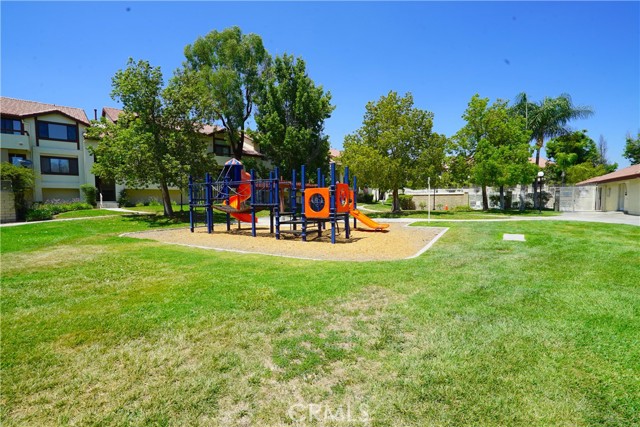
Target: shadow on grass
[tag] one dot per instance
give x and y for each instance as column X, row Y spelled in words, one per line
column 154, row 220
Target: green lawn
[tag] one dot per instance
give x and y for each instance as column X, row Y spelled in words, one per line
column 87, row 213
column 104, row 330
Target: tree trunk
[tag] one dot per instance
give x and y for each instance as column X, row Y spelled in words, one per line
column 523, row 197
column 485, row 199
column 166, row 199
column 396, row 200
column 502, row 197
column 238, row 146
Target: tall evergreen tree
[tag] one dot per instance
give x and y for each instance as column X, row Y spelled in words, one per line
column 290, row 117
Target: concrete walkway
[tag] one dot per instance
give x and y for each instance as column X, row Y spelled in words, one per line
column 605, row 217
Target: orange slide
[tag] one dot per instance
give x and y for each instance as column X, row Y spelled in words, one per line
column 244, row 192
column 367, row 221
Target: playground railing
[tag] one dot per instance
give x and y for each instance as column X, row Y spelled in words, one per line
column 198, row 194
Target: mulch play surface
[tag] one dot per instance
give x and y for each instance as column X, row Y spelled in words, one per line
column 399, row 241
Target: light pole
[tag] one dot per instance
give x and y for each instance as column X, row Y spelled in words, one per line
column 540, row 178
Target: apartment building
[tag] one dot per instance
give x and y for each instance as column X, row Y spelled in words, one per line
column 50, row 139
column 217, row 144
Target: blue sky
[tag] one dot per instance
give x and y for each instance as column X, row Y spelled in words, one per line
column 441, row 52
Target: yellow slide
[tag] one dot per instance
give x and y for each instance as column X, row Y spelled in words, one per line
column 367, row 221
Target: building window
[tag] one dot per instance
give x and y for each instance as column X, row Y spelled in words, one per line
column 221, row 148
column 58, row 165
column 11, row 126
column 57, row 131
column 15, row 159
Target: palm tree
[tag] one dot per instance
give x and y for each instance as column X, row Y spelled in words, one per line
column 548, row 119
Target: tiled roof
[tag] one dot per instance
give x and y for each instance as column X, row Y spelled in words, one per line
column 210, row 130
column 111, row 113
column 543, row 163
column 619, row 175
column 334, row 153
column 22, row 108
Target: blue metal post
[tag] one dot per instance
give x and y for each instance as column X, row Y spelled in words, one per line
column 276, row 181
column 225, row 194
column 332, row 203
column 303, row 173
column 292, row 197
column 271, row 202
column 208, row 195
column 319, row 179
column 253, row 203
column 355, row 198
column 191, row 224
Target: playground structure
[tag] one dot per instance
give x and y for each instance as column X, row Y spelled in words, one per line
column 304, row 208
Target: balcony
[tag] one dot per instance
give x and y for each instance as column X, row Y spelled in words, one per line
column 15, row 141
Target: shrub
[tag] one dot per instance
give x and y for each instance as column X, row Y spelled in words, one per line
column 55, row 207
column 406, row 202
column 495, row 200
column 123, row 199
column 365, row 198
column 22, row 180
column 462, row 209
column 152, row 202
column 40, row 214
column 89, row 193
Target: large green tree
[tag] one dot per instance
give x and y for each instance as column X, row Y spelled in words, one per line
column 228, row 67
column 155, row 141
column 576, row 149
column 394, row 146
column 290, row 117
column 632, row 149
column 548, row 118
column 495, row 145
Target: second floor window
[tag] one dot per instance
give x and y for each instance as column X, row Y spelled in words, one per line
column 221, row 148
column 11, row 126
column 59, row 165
column 57, row 131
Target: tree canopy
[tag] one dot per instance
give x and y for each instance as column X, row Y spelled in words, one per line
column 155, row 141
column 228, row 67
column 548, row 118
column 632, row 149
column 495, row 145
column 395, row 145
column 290, row 117
column 576, row 157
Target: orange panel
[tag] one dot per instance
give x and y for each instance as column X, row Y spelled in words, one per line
column 342, row 198
column 316, row 202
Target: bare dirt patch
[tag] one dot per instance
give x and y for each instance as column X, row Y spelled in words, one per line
column 399, row 241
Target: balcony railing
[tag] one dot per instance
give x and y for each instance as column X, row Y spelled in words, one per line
column 17, row 141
